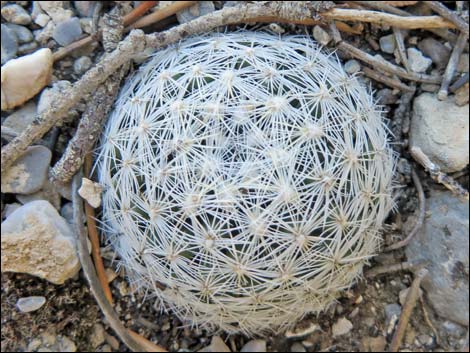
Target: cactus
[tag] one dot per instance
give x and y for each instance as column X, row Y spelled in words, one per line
column 247, row 178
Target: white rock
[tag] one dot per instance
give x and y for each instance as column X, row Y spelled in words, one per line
column 10, row 208
column 24, row 77
column 440, row 129
column 200, row 9
column 28, row 173
column 42, row 19
column 14, row 13
column 418, row 62
column 321, row 36
column 352, row 66
column 303, row 331
column 254, row 346
column 217, row 345
column 36, row 240
column 91, row 192
column 29, row 304
column 387, row 43
column 57, row 10
column 342, row 327
column 19, row 120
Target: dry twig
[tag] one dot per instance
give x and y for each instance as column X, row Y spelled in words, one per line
column 401, row 47
column 389, row 81
column 410, row 303
column 442, row 10
column 419, row 221
column 459, row 83
column 402, row 266
column 162, row 13
column 437, row 175
column 428, row 320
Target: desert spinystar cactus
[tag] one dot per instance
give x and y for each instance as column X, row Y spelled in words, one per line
column 246, row 179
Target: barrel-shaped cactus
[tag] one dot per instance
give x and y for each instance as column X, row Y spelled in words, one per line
column 246, row 179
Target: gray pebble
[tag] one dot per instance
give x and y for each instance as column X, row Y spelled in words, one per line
column 321, row 36
column 10, row 208
column 20, row 119
column 27, row 48
column 14, row 13
column 429, row 87
column 23, row 34
column 28, row 304
column 67, row 31
column 352, row 66
column 392, row 312
column 81, row 65
column 387, row 44
column 418, row 62
column 437, row 51
column 97, row 336
column 200, row 9
column 84, row 8
column 9, row 44
column 297, row 347
column 254, row 346
column 386, row 96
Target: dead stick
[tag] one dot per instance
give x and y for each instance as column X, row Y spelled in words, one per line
column 138, row 12
column 428, row 320
column 412, row 22
column 386, row 269
column 459, row 83
column 381, row 64
column 421, row 214
column 401, row 47
column 394, row 83
column 162, row 13
column 436, row 174
column 90, row 274
column 410, row 303
column 88, row 131
column 442, row 10
column 452, row 66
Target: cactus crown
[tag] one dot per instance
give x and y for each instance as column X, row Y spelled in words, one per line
column 247, row 178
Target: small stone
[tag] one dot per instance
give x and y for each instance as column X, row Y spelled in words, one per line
column 425, row 340
column 254, row 346
column 19, row 120
column 404, row 293
column 300, row 332
column 461, row 95
column 86, row 23
column 110, row 274
column 392, row 311
column 217, row 345
column 430, row 87
column 23, row 34
column 166, row 326
column 35, row 239
column 10, row 208
column 463, row 63
column 352, row 66
column 321, row 36
column 84, row 8
column 28, row 304
column 443, row 243
column 91, row 192
column 106, row 348
column 28, row 173
column 441, row 130
column 387, row 44
column 112, row 341
column 418, row 62
column 385, row 96
column 65, row 344
column 9, row 46
column 67, row 212
column 373, row 344
column 48, row 192
column 81, row 65
column 42, row 20
column 24, row 77
column 342, row 327
column 97, row 336
column 58, row 10
column 43, row 36
column 50, row 94
column 14, row 13
column 200, row 9
column 453, row 329
column 297, row 347
column 67, row 31
column 437, row 51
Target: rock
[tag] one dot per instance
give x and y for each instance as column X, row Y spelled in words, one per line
column 23, row 34
column 87, row 25
column 437, row 51
column 254, row 346
column 28, row 304
column 463, row 63
column 91, row 192
column 297, row 347
column 9, row 46
column 321, row 36
column 24, row 77
column 112, row 341
column 43, row 35
column 453, row 329
column 27, row 48
column 461, row 95
column 301, row 332
column 200, row 9
column 42, row 20
column 28, row 173
column 10, row 208
column 110, row 274
column 14, row 13
column 67, row 31
column 418, row 62
column 387, row 44
column 443, row 243
column 36, row 240
column 49, row 342
column 386, row 96
column 403, row 294
column 217, row 345
column 58, row 11
column 19, row 120
column 430, row 87
column 342, row 327
column 373, row 344
column 84, row 8
column 392, row 311
column 97, row 336
column 352, row 66
column 81, row 65
column 48, row 193
column 440, row 129
column 50, row 94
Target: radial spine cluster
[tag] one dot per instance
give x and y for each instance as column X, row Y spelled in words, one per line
column 246, row 177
